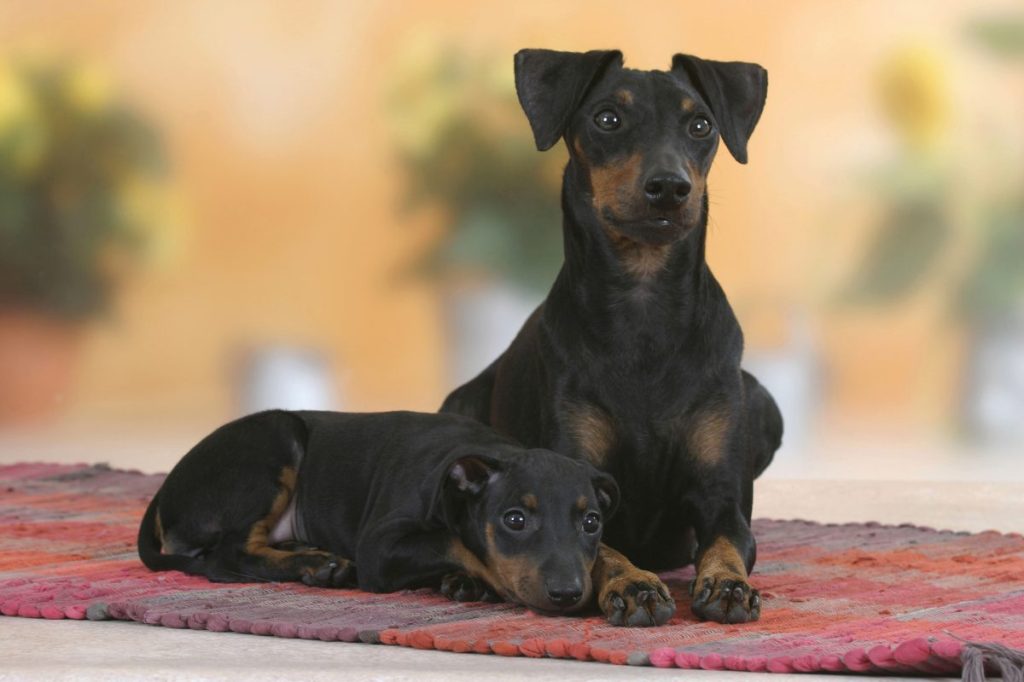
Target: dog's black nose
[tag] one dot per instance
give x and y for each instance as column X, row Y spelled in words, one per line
column 566, row 595
column 666, row 190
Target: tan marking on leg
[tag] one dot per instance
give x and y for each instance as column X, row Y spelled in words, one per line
column 257, row 543
column 612, row 573
column 721, row 561
column 708, row 436
column 592, row 430
column 158, row 529
column 624, row 96
column 530, row 501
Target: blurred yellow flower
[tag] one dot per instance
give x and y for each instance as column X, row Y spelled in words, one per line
column 14, row 100
column 89, row 88
column 22, row 136
column 914, row 93
column 425, row 91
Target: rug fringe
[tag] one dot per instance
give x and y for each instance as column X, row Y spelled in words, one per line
column 977, row 656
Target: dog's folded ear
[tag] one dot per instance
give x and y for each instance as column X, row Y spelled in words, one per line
column 607, row 491
column 735, row 91
column 551, row 85
column 470, row 475
column 455, row 482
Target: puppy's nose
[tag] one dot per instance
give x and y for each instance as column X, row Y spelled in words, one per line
column 666, row 190
column 565, row 595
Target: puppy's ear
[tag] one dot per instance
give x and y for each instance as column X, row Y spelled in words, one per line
column 470, row 475
column 735, row 91
column 607, row 491
column 451, row 485
column 551, row 85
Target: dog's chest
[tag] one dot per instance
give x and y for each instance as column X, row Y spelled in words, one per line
column 640, row 430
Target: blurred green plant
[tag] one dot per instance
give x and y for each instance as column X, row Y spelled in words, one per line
column 465, row 148
column 916, row 226
column 1002, row 36
column 81, row 187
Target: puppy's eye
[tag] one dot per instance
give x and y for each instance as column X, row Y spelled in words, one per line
column 700, row 127
column 607, row 120
column 591, row 523
column 514, row 520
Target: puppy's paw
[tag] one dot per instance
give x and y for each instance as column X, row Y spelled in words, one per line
column 725, row 599
column 464, row 587
column 328, row 570
column 636, row 599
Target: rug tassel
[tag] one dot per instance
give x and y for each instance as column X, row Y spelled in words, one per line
column 975, row 657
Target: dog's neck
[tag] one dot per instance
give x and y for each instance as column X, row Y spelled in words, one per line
column 596, row 280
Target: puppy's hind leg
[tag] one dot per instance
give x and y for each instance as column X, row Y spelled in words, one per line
column 252, row 556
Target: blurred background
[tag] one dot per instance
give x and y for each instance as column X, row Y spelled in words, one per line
column 212, row 208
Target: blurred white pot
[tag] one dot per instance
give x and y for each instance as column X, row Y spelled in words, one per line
column 286, row 377
column 792, row 374
column 481, row 321
column 994, row 399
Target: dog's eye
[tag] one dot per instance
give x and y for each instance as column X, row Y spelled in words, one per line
column 515, row 519
column 700, row 127
column 592, row 523
column 607, row 120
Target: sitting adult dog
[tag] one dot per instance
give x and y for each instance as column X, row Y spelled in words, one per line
column 633, row 360
column 384, row 502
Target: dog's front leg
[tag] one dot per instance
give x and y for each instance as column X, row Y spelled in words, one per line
column 721, row 499
column 628, row 595
column 721, row 591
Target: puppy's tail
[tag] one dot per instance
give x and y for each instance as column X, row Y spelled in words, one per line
column 150, row 545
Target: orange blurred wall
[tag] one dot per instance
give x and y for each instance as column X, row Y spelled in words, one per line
column 272, row 112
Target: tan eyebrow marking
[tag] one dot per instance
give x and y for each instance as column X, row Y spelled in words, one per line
column 688, row 105
column 581, row 503
column 530, row 501
column 624, row 96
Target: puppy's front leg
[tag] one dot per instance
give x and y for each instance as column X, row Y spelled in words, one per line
column 628, row 595
column 461, row 586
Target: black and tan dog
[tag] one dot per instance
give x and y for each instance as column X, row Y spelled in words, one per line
column 633, row 361
column 385, row 502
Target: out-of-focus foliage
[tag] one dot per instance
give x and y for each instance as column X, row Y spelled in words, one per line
column 1003, row 36
column 917, row 227
column 914, row 225
column 995, row 283
column 466, row 148
column 81, row 186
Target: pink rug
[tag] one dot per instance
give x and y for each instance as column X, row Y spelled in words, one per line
column 861, row 598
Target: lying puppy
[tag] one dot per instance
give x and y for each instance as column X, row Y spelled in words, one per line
column 412, row 500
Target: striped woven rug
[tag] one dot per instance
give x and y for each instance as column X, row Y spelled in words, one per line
column 861, row 598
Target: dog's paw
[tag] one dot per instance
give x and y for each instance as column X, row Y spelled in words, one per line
column 464, row 587
column 725, row 600
column 327, row 570
column 636, row 599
